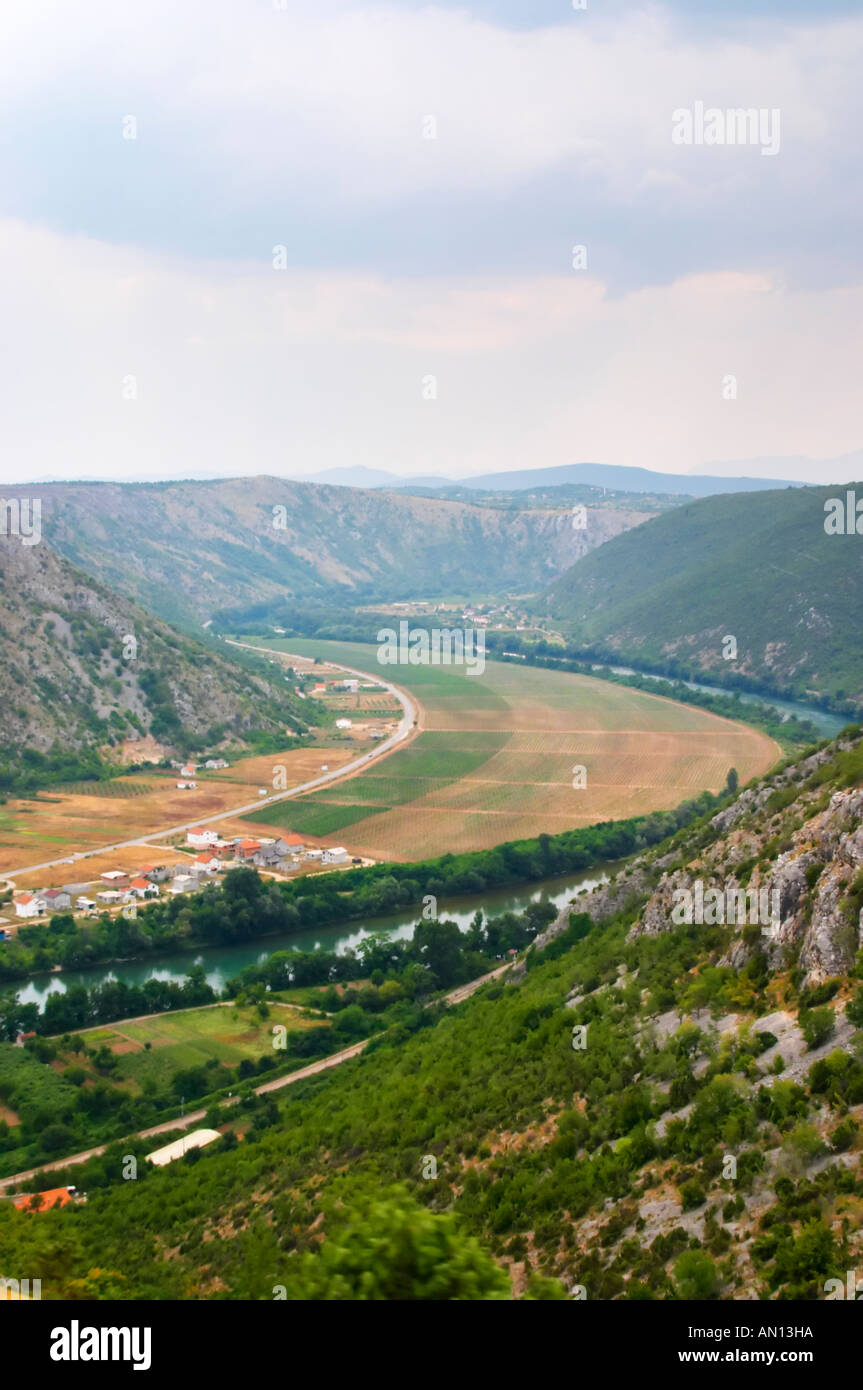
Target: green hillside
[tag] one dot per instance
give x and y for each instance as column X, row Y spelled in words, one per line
column 639, row 1109
column 759, row 567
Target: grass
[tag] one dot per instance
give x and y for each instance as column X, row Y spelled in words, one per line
column 191, row 1038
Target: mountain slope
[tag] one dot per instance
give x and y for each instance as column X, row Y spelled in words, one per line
column 759, row 567
column 642, row 1109
column 188, row 549
column 82, row 670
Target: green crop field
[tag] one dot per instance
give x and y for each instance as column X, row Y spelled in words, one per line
column 496, row 757
column 191, row 1038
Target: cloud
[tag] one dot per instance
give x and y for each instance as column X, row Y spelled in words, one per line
column 244, row 369
column 304, row 126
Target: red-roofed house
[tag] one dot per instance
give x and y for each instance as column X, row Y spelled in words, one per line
column 201, row 837
column 56, row 899
column 207, row 863
column 246, row 848
column 143, row 888
column 29, row 905
column 156, row 873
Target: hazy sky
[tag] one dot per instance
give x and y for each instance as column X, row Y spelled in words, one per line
column 428, row 317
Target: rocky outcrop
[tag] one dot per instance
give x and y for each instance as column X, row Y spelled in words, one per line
column 787, row 879
column 84, row 667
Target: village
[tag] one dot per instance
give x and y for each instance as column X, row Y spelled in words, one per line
column 185, row 867
column 124, row 888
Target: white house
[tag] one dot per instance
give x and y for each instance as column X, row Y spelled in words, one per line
column 85, row 904
column 186, row 786
column 200, row 838
column 206, row 863
column 56, row 899
column 114, row 876
column 29, row 905
column 336, row 855
column 142, row 888
column 313, row 854
column 343, row 723
column 213, row 764
column 111, row 895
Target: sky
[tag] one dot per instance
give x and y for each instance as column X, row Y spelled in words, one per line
column 263, row 236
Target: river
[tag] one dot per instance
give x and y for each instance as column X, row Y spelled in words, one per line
column 827, row 724
column 223, row 962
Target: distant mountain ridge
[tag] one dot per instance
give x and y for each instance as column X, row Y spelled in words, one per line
column 748, row 475
column 186, row 550
column 615, row 476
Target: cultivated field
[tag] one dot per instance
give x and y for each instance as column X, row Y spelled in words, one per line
column 102, row 813
column 495, row 754
column 189, row 1038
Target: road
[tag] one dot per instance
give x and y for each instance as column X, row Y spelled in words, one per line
column 455, row 996
column 411, row 712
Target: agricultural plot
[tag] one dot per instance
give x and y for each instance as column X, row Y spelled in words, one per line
column 160, row 1046
column 496, row 756
column 69, row 821
column 124, row 789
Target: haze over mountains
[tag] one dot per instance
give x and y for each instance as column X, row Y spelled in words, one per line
column 594, row 474
column 740, row 475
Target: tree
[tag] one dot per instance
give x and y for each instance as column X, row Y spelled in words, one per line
column 854, row 1009
column 438, row 945
column 399, row 1251
column 242, row 885
column 695, row 1276
column 732, row 781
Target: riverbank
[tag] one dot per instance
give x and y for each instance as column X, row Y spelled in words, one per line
column 224, row 962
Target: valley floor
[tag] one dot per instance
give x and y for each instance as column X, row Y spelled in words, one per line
column 498, row 756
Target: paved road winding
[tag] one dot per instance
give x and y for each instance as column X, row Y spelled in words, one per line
column 411, row 713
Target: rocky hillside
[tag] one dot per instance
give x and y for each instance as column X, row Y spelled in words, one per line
column 757, row 568
column 186, row 550
column 640, row 1108
column 84, row 671
column 796, row 837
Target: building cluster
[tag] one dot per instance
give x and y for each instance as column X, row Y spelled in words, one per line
column 187, row 771
column 287, row 852
column 214, row 856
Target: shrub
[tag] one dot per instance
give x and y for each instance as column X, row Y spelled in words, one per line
column 817, row 1026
